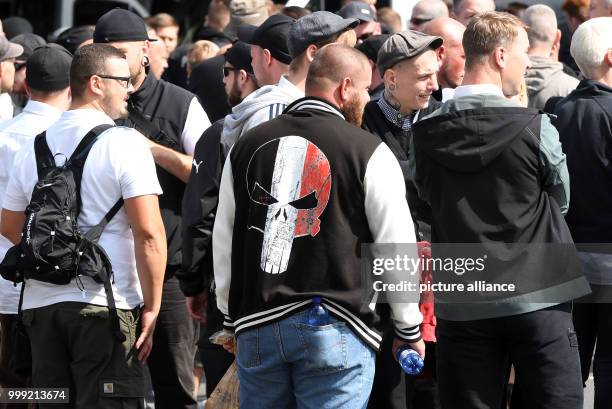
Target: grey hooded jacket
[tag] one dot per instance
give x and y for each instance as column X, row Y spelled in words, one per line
column 545, row 79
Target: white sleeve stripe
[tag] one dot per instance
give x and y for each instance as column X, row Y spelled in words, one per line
column 222, row 238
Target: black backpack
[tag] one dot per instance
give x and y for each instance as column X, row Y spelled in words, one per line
column 52, row 248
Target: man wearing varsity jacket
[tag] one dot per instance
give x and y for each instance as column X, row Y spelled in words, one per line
column 298, row 197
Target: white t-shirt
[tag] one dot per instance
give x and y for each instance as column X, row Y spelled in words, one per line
column 35, row 118
column 119, row 164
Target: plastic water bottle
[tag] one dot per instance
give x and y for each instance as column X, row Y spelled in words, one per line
column 318, row 315
column 410, row 360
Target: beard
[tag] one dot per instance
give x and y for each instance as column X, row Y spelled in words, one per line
column 234, row 97
column 353, row 111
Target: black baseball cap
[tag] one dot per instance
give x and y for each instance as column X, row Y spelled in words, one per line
column 272, row 35
column 120, row 25
column 48, row 68
column 73, row 37
column 239, row 55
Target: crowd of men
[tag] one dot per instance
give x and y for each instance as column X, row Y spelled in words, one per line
column 239, row 171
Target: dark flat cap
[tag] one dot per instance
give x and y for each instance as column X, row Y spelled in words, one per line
column 403, row 45
column 272, row 35
column 315, row 27
column 120, row 25
column 48, row 68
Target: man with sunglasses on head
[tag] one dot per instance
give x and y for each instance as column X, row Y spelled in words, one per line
column 73, row 345
column 368, row 23
column 173, row 120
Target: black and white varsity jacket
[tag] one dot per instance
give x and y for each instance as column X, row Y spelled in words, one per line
column 299, row 195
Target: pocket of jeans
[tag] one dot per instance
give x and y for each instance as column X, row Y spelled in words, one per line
column 247, row 350
column 325, row 347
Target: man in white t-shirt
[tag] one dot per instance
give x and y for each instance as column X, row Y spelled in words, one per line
column 48, row 86
column 72, row 343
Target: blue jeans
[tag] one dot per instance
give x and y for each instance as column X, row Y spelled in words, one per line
column 290, row 364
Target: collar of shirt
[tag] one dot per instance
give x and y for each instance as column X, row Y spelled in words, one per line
column 291, row 89
column 394, row 116
column 40, row 108
column 314, row 103
column 92, row 116
column 144, row 91
column 466, row 90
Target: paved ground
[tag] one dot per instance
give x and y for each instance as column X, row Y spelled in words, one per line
column 588, row 395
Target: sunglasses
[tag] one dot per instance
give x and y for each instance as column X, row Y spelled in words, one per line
column 227, row 70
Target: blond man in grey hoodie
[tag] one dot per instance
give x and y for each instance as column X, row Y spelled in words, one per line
column 545, row 78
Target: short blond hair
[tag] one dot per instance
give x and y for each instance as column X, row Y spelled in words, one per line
column 487, row 31
column 201, row 50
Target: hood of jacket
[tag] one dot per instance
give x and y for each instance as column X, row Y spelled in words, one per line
column 543, row 71
column 469, row 140
column 253, row 103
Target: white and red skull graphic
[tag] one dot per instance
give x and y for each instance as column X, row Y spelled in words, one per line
column 293, row 200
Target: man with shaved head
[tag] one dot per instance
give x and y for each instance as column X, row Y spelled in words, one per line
column 464, row 10
column 425, row 11
column 450, row 55
column 298, row 195
column 545, row 78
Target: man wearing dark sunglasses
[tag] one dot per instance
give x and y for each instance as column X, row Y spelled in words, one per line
column 199, row 211
column 29, row 42
column 425, row 11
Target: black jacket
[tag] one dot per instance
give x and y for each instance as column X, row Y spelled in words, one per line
column 584, row 121
column 399, row 140
column 298, row 197
column 482, row 172
column 166, row 106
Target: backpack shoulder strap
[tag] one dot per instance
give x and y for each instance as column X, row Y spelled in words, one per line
column 83, row 148
column 44, row 158
column 96, row 231
column 150, row 129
